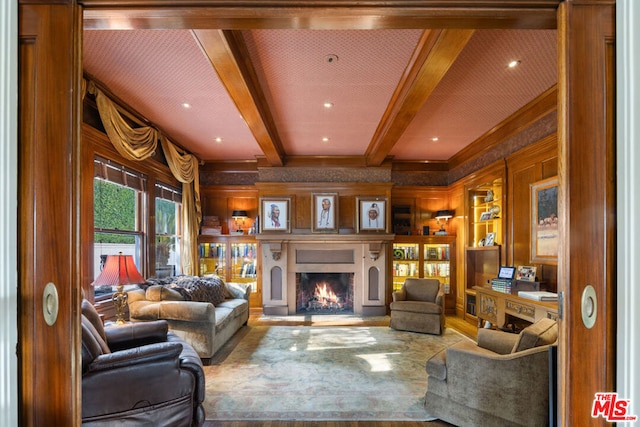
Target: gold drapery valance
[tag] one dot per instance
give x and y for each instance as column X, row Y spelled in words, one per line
column 140, row 143
column 132, row 143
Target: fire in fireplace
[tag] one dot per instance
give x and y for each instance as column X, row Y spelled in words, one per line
column 324, row 293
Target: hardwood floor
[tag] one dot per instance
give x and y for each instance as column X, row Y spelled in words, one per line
column 453, row 322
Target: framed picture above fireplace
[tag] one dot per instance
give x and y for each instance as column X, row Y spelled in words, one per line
column 325, row 211
column 372, row 214
column 274, row 214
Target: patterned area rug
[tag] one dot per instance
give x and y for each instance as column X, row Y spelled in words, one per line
column 323, row 373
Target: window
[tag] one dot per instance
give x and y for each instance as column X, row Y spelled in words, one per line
column 168, row 225
column 119, row 209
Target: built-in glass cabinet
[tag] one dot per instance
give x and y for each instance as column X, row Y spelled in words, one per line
column 232, row 257
column 426, row 257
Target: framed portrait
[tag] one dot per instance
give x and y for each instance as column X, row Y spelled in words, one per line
column 274, row 214
column 324, row 213
column 489, row 239
column 372, row 214
column 485, row 216
column 544, row 221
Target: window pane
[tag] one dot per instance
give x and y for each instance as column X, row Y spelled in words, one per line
column 114, row 206
column 167, row 256
column 165, row 216
column 167, row 235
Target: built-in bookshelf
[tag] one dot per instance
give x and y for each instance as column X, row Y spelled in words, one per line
column 426, row 257
column 232, row 257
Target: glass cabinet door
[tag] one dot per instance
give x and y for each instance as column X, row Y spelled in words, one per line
column 437, row 264
column 406, row 263
column 243, row 264
column 213, row 259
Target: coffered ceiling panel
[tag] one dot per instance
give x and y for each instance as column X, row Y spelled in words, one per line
column 156, row 72
column 355, row 72
column 481, row 90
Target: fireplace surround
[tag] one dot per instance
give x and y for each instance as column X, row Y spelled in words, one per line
column 287, row 258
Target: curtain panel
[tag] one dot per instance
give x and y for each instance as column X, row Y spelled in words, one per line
column 139, row 144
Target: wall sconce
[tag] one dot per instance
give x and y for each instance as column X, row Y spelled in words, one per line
column 442, row 218
column 119, row 270
column 236, row 215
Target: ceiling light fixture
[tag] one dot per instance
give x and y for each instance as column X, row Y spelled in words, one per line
column 328, row 104
column 514, row 63
column 218, row 139
column 434, row 139
column 325, row 139
column 331, row 58
column 186, row 105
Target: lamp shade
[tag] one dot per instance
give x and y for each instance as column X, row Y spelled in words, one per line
column 444, row 214
column 239, row 214
column 119, row 270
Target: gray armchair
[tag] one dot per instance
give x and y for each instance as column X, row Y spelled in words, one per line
column 501, row 381
column 419, row 306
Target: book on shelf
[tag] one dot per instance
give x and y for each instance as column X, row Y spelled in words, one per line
column 539, row 295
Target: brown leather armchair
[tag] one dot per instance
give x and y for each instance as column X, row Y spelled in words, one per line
column 138, row 374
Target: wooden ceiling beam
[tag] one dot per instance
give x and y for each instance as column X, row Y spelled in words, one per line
column 229, row 56
column 319, row 14
column 436, row 51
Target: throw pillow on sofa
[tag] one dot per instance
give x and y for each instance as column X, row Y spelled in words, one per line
column 193, row 288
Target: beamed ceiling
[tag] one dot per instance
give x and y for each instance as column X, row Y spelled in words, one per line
column 410, row 95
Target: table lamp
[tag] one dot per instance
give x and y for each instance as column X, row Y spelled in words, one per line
column 236, row 215
column 119, row 270
column 442, row 218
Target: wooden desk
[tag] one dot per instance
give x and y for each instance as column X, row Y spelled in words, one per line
column 493, row 306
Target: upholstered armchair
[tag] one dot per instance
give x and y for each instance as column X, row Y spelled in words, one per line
column 503, row 380
column 418, row 306
column 138, row 374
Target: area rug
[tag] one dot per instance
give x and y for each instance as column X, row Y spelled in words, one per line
column 318, row 373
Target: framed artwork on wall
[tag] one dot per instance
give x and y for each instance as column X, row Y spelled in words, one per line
column 324, row 213
column 372, row 214
column 274, row 214
column 544, row 221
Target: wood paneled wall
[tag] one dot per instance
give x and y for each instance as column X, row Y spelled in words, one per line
column 519, row 170
column 534, row 163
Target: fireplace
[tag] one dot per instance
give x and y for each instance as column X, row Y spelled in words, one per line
column 324, row 293
column 301, row 274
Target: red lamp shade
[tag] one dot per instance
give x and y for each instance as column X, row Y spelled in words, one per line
column 119, row 270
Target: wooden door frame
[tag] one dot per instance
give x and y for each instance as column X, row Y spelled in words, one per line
column 244, row 15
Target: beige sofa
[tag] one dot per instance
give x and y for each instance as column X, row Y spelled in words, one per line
column 206, row 326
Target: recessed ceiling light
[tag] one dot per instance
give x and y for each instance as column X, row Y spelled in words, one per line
column 331, row 58
column 328, row 104
column 325, row 139
column 218, row 139
column 186, row 105
column 514, row 63
column 434, row 139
